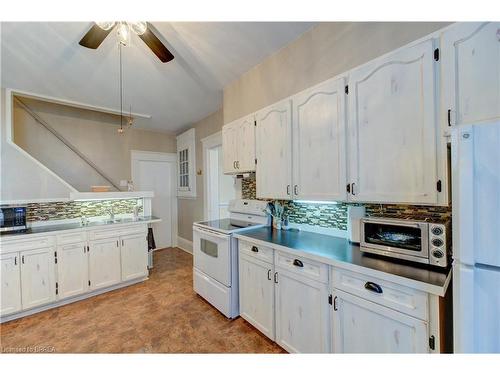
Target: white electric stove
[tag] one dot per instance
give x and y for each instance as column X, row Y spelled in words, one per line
column 215, row 254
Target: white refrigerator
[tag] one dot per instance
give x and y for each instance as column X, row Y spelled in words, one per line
column 476, row 237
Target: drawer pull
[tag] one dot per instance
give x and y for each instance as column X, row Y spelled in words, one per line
column 255, row 249
column 373, row 287
column 298, row 263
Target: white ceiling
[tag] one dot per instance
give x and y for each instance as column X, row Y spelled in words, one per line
column 45, row 58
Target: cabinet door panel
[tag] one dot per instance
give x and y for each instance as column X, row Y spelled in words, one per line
column 319, row 152
column 10, row 301
column 134, row 257
column 273, row 151
column 257, row 294
column 229, row 154
column 37, row 277
column 245, row 145
column 392, row 128
column 72, row 269
column 471, row 72
column 104, row 263
column 302, row 314
column 360, row 326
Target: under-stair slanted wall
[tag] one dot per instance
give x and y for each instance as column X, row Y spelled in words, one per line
column 42, row 141
column 81, row 146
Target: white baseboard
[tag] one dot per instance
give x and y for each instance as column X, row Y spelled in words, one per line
column 185, row 245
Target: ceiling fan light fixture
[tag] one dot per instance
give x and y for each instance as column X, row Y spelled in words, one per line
column 106, row 25
column 123, row 32
column 138, row 27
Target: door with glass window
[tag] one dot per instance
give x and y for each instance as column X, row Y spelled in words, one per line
column 211, row 254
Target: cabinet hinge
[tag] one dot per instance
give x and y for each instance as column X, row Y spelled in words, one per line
column 330, row 299
column 432, row 342
column 55, row 257
column 346, row 89
column 89, row 282
column 438, row 186
column 436, row 54
column 255, row 161
column 254, row 122
column 348, row 188
column 57, row 288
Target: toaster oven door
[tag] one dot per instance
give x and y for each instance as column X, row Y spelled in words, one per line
column 408, row 240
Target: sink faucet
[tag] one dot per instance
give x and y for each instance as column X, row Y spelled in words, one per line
column 111, row 213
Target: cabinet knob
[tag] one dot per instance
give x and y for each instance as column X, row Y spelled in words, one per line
column 255, row 249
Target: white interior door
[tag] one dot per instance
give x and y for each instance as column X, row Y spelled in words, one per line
column 158, row 174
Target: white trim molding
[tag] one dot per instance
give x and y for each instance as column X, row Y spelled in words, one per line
column 185, row 245
column 208, row 143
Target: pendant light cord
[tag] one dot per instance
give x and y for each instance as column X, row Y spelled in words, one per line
column 121, row 87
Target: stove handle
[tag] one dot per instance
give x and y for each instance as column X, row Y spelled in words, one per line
column 211, row 233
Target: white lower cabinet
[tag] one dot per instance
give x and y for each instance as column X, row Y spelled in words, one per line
column 72, row 270
column 361, row 326
column 10, row 301
column 104, row 263
column 257, row 294
column 134, row 257
column 38, row 286
column 302, row 313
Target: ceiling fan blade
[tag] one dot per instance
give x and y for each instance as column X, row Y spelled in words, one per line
column 94, row 37
column 156, row 45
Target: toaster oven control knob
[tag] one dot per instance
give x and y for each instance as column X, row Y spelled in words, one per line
column 437, row 242
column 437, row 254
column 437, row 231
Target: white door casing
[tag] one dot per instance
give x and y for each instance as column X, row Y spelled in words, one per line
column 319, row 142
column 157, row 171
column 273, row 139
column 392, row 132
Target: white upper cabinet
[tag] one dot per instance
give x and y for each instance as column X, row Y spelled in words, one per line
column 72, row 269
column 274, row 151
column 392, row 128
column 319, row 152
column 38, row 277
column 238, row 145
column 471, row 73
column 10, row 287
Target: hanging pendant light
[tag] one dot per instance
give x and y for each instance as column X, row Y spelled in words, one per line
column 130, row 120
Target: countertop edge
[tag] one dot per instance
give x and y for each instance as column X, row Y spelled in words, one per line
column 415, row 284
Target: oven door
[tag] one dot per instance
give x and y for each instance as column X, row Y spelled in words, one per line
column 396, row 239
column 211, row 253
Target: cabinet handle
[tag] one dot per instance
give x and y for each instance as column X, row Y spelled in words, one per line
column 373, row 287
column 298, row 263
column 117, row 243
column 238, row 164
column 287, row 189
column 296, row 189
column 255, row 249
column 15, row 261
column 234, row 164
column 123, row 243
column 335, row 304
column 352, row 189
column 22, row 259
column 449, row 117
column 88, row 249
column 276, row 277
column 269, row 274
column 84, row 249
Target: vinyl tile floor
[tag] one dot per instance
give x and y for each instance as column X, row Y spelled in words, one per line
column 160, row 315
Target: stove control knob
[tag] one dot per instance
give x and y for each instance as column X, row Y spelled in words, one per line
column 437, row 242
column 437, row 231
column 437, row 254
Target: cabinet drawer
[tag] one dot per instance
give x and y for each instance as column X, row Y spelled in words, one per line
column 117, row 231
column 403, row 299
column 302, row 266
column 27, row 244
column 263, row 253
column 73, row 237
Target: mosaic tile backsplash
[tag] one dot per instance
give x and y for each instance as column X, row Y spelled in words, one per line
column 335, row 215
column 78, row 209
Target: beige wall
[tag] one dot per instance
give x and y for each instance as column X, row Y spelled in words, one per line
column 321, row 53
column 191, row 210
column 93, row 133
